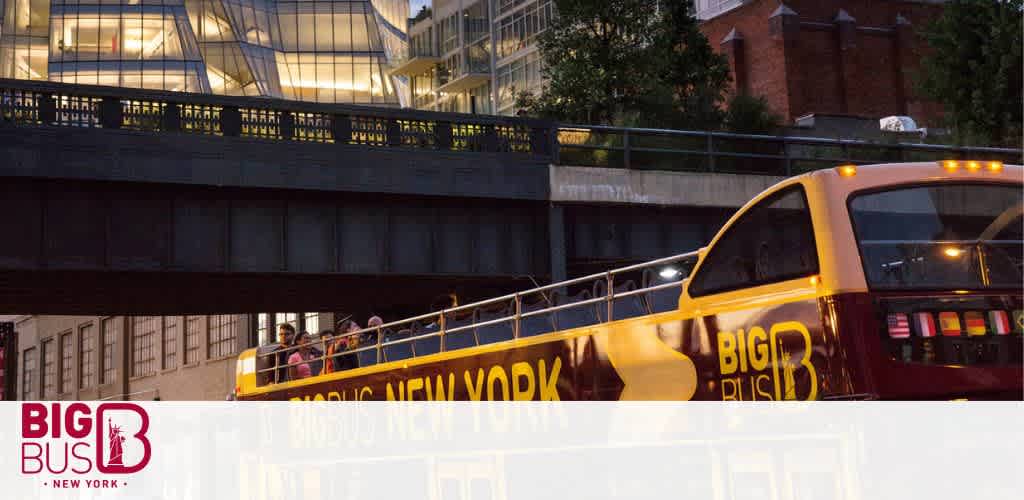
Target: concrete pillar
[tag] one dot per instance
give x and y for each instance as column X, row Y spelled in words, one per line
column 556, row 238
column 846, row 38
column 732, row 48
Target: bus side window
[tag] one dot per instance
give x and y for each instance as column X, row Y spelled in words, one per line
column 771, row 242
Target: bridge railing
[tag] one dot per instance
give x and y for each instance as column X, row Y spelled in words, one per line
column 55, row 104
column 632, row 291
column 679, row 150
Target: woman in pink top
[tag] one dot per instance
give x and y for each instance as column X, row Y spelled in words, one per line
column 298, row 361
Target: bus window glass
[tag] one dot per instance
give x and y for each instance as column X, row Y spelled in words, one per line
column 940, row 236
column 771, row 242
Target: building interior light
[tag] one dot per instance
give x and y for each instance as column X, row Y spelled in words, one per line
column 669, row 273
column 952, row 252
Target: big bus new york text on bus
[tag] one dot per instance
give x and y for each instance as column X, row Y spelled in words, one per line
column 897, row 281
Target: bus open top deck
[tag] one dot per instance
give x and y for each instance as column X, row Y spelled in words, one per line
column 882, row 281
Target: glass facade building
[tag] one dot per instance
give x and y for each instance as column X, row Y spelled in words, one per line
column 472, row 56
column 323, row 51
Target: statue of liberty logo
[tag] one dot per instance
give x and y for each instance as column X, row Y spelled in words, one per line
column 788, row 381
column 115, row 444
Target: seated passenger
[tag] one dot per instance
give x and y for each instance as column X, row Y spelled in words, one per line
column 346, row 341
column 373, row 322
column 298, row 361
column 315, row 354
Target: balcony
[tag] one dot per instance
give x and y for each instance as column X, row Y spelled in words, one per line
column 464, row 82
column 416, row 64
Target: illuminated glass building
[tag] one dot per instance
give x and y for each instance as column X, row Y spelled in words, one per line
column 470, row 56
column 324, row 51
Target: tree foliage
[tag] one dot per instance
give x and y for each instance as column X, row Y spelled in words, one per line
column 751, row 115
column 974, row 69
column 635, row 62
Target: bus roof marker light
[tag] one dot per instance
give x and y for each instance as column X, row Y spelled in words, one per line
column 951, row 165
column 995, row 166
column 973, row 166
column 847, row 170
column 952, row 252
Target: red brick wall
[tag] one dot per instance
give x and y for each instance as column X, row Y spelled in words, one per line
column 811, row 71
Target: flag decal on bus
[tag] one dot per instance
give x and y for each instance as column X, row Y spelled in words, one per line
column 949, row 322
column 975, row 323
column 925, row 324
column 899, row 326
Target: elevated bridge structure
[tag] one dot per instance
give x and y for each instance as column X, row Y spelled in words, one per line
column 128, row 201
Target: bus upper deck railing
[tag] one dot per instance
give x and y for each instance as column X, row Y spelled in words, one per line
column 598, row 298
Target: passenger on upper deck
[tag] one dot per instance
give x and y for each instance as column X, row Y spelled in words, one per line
column 327, row 341
column 298, row 361
column 316, row 355
column 285, row 339
column 345, row 342
column 373, row 322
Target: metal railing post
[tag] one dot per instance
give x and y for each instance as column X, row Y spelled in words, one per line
column 380, row 345
column 609, row 293
column 555, row 145
column 518, row 316
column 323, row 356
column 444, row 325
column 625, row 150
column 786, row 159
column 711, row 151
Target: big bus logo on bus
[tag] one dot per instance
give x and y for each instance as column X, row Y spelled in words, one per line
column 757, row 364
column 109, row 438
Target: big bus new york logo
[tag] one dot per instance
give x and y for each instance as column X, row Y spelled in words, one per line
column 69, row 441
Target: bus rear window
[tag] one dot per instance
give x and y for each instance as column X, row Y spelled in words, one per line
column 941, row 236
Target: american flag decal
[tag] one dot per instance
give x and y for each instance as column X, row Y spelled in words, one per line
column 899, row 325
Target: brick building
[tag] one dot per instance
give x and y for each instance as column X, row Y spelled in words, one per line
column 827, row 57
column 135, row 357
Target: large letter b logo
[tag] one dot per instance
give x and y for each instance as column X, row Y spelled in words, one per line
column 120, row 431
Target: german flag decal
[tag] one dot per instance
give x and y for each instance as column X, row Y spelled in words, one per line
column 975, row 323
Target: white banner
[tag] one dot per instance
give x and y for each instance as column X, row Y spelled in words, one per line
column 498, row 451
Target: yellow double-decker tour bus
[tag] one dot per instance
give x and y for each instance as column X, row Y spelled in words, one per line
column 897, row 281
